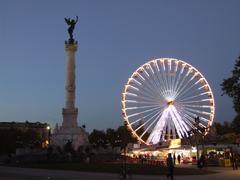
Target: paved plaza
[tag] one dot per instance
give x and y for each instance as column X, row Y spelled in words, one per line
column 14, row 173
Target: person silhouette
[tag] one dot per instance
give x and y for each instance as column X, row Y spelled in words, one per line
column 179, row 159
column 170, row 166
column 174, row 159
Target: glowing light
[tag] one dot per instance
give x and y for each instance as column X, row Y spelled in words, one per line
column 175, row 143
column 47, row 142
column 169, row 103
column 162, row 98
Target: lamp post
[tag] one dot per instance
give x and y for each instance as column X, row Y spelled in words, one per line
column 196, row 132
column 125, row 151
column 199, row 134
column 48, row 128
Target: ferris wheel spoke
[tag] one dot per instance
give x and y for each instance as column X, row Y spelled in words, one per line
column 166, row 78
column 156, row 100
column 159, row 80
column 155, row 135
column 197, row 101
column 160, row 84
column 182, row 124
column 184, row 98
column 147, row 89
column 165, row 83
column 149, row 81
column 189, row 88
column 199, row 106
column 163, row 77
column 200, row 112
column 194, row 115
column 145, row 83
column 154, row 81
column 191, row 92
column 139, row 102
column 174, row 78
column 144, row 117
column 180, row 75
column 191, row 116
column 141, row 96
column 173, row 128
column 168, row 131
column 177, row 125
column 171, row 75
column 183, row 87
column 189, row 120
column 154, row 121
column 164, row 132
column 143, row 125
column 141, row 107
column 142, row 112
column 145, row 92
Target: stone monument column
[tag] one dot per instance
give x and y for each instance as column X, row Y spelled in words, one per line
column 69, row 131
column 69, row 112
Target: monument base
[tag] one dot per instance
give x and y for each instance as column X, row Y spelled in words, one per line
column 77, row 135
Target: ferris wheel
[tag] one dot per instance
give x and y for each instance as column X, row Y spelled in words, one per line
column 163, row 98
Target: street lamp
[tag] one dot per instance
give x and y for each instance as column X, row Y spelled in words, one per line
column 48, row 128
column 125, row 150
column 196, row 132
column 199, row 133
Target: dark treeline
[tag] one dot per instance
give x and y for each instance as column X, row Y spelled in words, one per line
column 14, row 138
column 111, row 137
column 228, row 127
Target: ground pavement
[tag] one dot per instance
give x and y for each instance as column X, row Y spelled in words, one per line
column 15, row 173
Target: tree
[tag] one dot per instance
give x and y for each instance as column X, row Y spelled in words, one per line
column 98, row 138
column 236, row 124
column 15, row 138
column 111, row 136
column 125, row 136
column 224, row 128
column 231, row 86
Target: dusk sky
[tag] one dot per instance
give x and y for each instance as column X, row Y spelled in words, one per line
column 114, row 38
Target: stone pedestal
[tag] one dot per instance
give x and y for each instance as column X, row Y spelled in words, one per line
column 77, row 136
column 69, row 131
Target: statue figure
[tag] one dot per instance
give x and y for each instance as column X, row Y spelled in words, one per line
column 71, row 23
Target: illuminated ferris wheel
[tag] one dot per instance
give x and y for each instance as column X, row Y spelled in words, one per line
column 162, row 99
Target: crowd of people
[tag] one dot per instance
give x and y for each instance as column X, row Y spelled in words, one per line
column 201, row 162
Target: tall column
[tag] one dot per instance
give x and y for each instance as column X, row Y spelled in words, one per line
column 69, row 111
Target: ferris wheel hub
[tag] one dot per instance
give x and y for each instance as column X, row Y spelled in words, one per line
column 169, row 103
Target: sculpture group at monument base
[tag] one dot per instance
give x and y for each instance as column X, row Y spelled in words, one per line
column 76, row 135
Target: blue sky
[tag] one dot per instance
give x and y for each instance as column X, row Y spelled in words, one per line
column 115, row 38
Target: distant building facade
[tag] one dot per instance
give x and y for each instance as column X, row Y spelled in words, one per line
column 43, row 129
